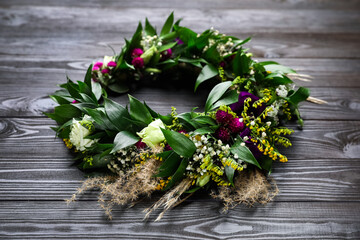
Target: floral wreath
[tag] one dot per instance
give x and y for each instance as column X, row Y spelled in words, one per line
column 228, row 150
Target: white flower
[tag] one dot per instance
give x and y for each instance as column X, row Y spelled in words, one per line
column 152, row 134
column 108, row 59
column 79, row 132
column 281, row 91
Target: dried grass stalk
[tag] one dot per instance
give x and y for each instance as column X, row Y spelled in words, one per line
column 125, row 188
column 251, row 187
column 316, row 100
column 170, row 199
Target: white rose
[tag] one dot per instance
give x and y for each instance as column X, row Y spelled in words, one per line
column 152, row 134
column 78, row 134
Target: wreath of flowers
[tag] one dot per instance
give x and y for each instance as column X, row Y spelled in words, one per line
column 228, row 149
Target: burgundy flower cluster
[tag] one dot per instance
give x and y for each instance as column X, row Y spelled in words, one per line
column 229, row 125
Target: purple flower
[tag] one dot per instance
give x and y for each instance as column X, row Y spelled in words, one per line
column 138, row 62
column 140, row 145
column 238, row 107
column 222, row 64
column 74, row 101
column 251, row 145
column 98, row 64
column 222, row 134
column 137, row 52
column 167, row 147
column 104, row 71
column 223, row 117
column 96, row 68
column 235, row 126
column 179, row 41
column 166, row 54
column 111, row 64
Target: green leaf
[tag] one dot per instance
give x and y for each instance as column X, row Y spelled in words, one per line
column 167, row 46
column 276, row 79
column 195, row 62
column 300, row 95
column 101, row 161
column 96, row 89
column 100, row 118
column 178, row 175
column 118, row 88
column 124, row 139
column 204, row 130
column 88, row 76
column 139, row 111
column 241, row 42
column 266, row 163
column 60, row 100
column 168, row 25
column 216, row 93
column 67, row 111
column 229, row 171
column 152, row 112
column 169, row 165
column 205, row 120
column 228, row 98
column 244, row 153
column 149, row 29
column 117, row 114
column 73, row 90
column 278, row 68
column 241, row 64
column 209, row 71
column 179, row 143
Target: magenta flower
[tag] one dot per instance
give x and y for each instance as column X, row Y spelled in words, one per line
column 98, row 64
column 167, row 147
column 222, row 134
column 138, row 62
column 140, row 145
column 166, row 54
column 96, row 68
column 178, row 40
column 104, row 71
column 74, row 101
column 238, row 107
column 235, row 126
column 111, row 64
column 223, row 117
column 137, row 52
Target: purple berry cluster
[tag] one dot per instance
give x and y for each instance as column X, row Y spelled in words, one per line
column 229, row 125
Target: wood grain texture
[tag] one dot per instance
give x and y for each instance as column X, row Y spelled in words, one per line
column 194, row 220
column 298, row 180
column 41, row 41
column 85, row 22
column 203, row 4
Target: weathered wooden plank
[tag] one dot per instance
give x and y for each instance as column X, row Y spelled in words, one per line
column 203, row 4
column 54, row 178
column 318, row 139
column 263, row 45
column 41, row 20
column 195, row 220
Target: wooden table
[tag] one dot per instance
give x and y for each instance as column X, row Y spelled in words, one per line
column 42, row 41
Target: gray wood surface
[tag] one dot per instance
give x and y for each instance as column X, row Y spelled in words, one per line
column 42, row 41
